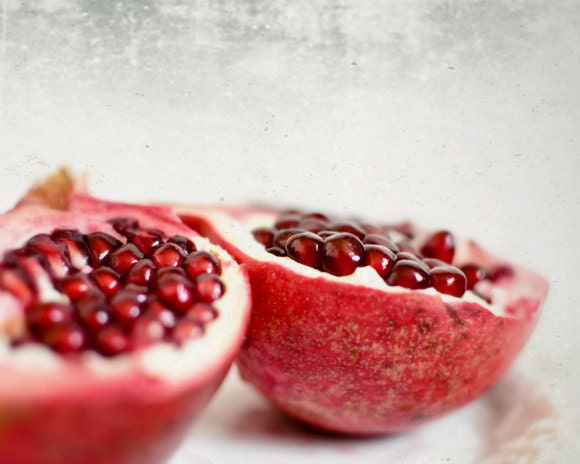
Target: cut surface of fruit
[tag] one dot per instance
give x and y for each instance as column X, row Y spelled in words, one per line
column 402, row 327
column 102, row 330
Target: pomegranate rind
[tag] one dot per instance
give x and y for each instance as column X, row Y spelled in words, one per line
column 134, row 408
column 354, row 356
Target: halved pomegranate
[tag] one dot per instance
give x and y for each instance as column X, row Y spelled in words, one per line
column 363, row 329
column 111, row 342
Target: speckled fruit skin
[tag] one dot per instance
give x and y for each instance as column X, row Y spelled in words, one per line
column 120, row 413
column 136, row 419
column 362, row 361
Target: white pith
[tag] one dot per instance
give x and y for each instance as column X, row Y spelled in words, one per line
column 170, row 363
column 502, row 293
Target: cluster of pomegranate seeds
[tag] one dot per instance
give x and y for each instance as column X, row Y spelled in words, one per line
column 339, row 247
column 112, row 294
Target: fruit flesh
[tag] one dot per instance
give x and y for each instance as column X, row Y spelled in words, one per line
column 106, row 313
column 133, row 408
column 340, row 247
column 355, row 356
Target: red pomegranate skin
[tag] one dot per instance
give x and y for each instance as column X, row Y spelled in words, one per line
column 135, row 419
column 75, row 414
column 361, row 361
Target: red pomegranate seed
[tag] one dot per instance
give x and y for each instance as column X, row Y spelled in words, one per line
column 288, row 221
column 500, row 272
column 448, row 280
column 76, row 286
column 94, row 298
column 324, row 234
column 380, row 258
column 201, row 262
column 123, row 224
column 123, row 258
column 440, row 245
column 342, row 254
column 432, row 262
column 474, row 274
column 43, row 316
column 75, row 244
column 94, row 318
column 176, row 292
column 142, row 273
column 276, row 251
column 312, row 224
column 93, row 311
column 155, row 307
column 349, row 227
column 186, row 244
column 170, row 270
column 126, row 308
column 264, row 235
column 318, row 216
column 148, row 329
column 16, row 282
column 409, row 274
column 17, row 256
column 371, row 229
column 374, row 239
column 406, row 247
column 126, row 301
column 65, row 338
column 202, row 312
column 108, row 280
column 100, row 244
column 281, row 236
column 207, row 288
column 186, row 329
column 411, row 257
column 306, row 248
column 111, row 341
column 398, row 263
column 147, row 240
column 139, row 292
column 168, row 254
column 54, row 255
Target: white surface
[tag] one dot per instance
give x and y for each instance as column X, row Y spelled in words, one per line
column 456, row 113
column 515, row 423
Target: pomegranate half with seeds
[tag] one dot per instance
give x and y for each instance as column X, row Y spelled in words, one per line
column 117, row 325
column 364, row 329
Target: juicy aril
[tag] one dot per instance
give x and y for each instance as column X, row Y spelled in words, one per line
column 364, row 329
column 117, row 324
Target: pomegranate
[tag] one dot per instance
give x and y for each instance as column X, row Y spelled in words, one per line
column 363, row 329
column 111, row 341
